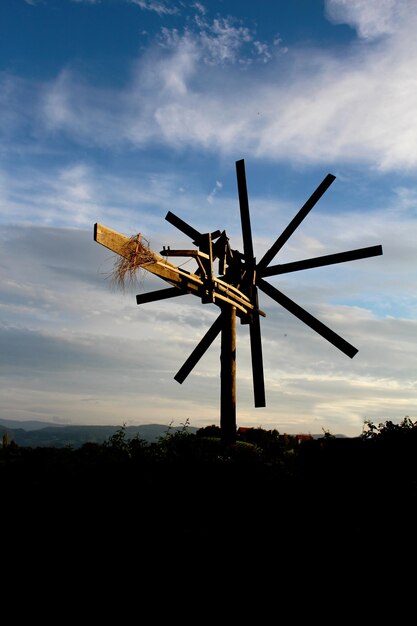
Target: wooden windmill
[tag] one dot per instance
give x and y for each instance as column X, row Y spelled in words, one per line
column 234, row 290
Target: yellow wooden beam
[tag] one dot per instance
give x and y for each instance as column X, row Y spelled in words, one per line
column 122, row 245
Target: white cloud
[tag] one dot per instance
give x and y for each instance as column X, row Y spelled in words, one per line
column 175, row 73
column 65, row 196
column 87, row 1
column 199, row 7
column 308, row 106
column 69, row 104
column 220, row 42
column 217, row 187
column 371, row 18
column 161, row 7
column 263, row 51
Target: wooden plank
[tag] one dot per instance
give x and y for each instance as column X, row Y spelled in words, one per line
column 257, row 359
column 244, row 212
column 321, row 261
column 160, row 294
column 122, row 245
column 295, row 222
column 111, row 239
column 207, row 267
column 183, row 227
column 228, row 288
column 188, row 230
column 192, row 253
column 199, row 350
column 307, row 318
column 219, row 296
column 186, row 281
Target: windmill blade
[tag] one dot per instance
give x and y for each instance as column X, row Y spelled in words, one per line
column 187, row 229
column 183, row 226
column 307, row 318
column 257, row 360
column 199, row 350
column 254, row 326
column 160, row 294
column 295, row 222
column 244, row 211
column 320, row 261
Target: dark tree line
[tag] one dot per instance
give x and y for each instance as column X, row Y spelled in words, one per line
column 189, row 486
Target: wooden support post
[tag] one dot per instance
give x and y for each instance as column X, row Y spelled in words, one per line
column 228, row 375
column 207, row 265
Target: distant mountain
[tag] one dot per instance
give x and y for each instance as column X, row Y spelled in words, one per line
column 41, row 434
column 27, row 425
column 33, row 433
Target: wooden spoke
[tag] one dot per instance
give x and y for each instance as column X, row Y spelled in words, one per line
column 254, row 326
column 307, row 318
column 193, row 253
column 320, row 261
column 244, row 212
column 187, row 229
column 199, row 350
column 160, row 294
column 257, row 360
column 296, row 221
column 183, row 227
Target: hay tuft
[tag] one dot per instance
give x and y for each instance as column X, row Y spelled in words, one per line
column 126, row 267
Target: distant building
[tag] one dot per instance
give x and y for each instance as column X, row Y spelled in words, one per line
column 244, row 429
column 300, row 438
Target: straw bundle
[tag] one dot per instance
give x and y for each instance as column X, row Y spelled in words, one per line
column 135, row 254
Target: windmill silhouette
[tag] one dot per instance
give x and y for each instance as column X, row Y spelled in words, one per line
column 234, row 290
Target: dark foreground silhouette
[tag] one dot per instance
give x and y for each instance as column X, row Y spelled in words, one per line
column 177, row 524
column 188, row 487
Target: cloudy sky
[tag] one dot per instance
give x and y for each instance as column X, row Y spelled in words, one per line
column 118, row 111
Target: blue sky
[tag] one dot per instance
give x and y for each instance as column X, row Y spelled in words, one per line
column 118, row 111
